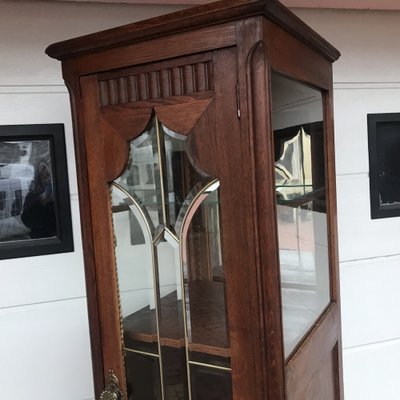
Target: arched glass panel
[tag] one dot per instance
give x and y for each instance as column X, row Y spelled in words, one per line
column 170, row 272
column 139, row 178
column 206, row 312
column 134, row 259
column 301, row 206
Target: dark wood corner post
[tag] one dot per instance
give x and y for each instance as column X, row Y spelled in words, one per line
column 74, row 88
column 254, row 83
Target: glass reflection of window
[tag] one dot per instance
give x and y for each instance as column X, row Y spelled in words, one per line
column 170, row 272
column 301, row 206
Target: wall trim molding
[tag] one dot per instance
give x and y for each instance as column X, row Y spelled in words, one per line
column 374, row 345
column 366, row 85
column 33, row 89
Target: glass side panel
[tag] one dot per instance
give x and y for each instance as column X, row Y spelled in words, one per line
column 301, row 205
column 133, row 250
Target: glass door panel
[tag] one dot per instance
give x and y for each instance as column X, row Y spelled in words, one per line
column 206, row 311
column 210, row 384
column 170, row 272
column 297, row 112
column 134, row 259
column 172, row 330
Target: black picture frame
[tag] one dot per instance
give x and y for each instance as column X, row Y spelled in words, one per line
column 384, row 164
column 35, row 210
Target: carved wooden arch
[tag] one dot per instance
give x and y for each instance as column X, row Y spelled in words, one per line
column 180, row 116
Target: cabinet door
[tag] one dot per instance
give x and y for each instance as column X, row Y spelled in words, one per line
column 163, row 152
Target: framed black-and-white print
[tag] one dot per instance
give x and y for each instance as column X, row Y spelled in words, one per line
column 35, row 212
column 384, row 164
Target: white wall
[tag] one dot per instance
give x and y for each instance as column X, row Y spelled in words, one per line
column 44, row 339
column 366, row 80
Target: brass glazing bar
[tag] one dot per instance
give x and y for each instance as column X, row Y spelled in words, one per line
column 158, row 315
column 173, row 235
column 143, row 353
column 162, row 172
column 158, row 235
column 185, row 320
column 135, row 203
column 210, row 366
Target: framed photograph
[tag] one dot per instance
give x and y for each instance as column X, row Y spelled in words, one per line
column 384, row 164
column 35, row 212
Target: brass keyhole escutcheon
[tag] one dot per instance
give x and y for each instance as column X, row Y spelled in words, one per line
column 112, row 390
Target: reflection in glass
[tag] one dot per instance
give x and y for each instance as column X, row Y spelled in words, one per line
column 172, row 331
column 27, row 209
column 206, row 311
column 180, row 172
column 301, row 206
column 139, row 177
column 169, row 263
column 133, row 250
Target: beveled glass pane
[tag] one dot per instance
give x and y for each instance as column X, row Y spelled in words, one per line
column 210, row 383
column 133, row 250
column 206, row 312
column 301, row 206
column 174, row 373
column 181, row 175
column 140, row 177
column 143, row 377
column 172, row 334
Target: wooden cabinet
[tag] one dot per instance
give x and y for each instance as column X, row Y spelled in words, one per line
column 204, row 143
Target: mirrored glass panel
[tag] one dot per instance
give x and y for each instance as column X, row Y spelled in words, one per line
column 172, row 288
column 301, row 205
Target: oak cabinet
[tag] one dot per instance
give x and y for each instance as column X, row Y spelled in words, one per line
column 204, row 145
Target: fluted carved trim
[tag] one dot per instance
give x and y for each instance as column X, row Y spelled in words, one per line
column 159, row 84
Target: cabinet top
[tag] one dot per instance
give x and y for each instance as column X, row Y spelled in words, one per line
column 193, row 18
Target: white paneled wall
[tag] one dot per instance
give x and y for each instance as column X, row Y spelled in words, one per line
column 366, row 80
column 44, row 336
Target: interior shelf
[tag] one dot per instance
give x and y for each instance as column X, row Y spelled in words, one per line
column 205, row 316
